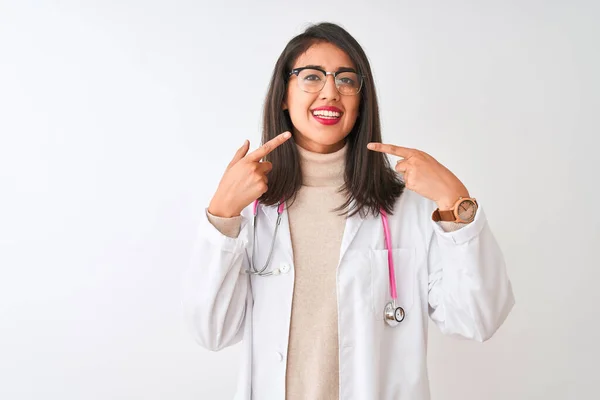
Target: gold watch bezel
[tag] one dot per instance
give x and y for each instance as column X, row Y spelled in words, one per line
column 461, row 200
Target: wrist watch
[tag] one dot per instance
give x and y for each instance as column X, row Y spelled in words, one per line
column 463, row 211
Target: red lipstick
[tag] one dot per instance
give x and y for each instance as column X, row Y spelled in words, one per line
column 332, row 117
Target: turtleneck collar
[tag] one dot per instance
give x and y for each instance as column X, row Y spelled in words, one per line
column 322, row 170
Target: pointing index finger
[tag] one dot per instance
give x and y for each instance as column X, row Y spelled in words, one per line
column 269, row 146
column 399, row 151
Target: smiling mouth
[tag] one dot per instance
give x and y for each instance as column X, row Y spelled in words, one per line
column 324, row 114
column 327, row 117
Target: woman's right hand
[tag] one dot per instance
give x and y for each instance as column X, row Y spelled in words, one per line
column 245, row 179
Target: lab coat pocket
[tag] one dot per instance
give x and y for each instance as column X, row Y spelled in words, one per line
column 404, row 266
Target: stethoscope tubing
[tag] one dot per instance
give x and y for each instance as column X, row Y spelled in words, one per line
column 280, row 207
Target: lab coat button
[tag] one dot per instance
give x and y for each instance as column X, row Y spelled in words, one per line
column 284, row 269
column 279, row 356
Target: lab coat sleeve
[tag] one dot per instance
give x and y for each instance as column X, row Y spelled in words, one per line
column 470, row 294
column 215, row 286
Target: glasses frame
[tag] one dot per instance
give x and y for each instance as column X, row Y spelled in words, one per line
column 296, row 71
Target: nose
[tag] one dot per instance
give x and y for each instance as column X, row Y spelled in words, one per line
column 329, row 91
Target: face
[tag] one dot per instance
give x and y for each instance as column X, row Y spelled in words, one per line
column 319, row 133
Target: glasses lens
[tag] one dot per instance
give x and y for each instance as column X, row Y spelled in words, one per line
column 311, row 80
column 348, row 83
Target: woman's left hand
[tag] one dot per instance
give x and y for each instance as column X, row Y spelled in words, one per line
column 425, row 175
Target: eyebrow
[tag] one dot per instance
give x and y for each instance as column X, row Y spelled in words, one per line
column 340, row 69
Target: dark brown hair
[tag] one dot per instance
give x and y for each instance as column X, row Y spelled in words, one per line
column 369, row 178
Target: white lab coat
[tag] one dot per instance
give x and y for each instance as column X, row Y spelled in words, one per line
column 458, row 279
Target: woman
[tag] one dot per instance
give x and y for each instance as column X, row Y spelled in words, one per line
column 307, row 283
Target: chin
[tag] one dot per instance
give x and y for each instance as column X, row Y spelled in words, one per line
column 326, row 141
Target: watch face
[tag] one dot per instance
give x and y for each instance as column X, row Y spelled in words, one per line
column 466, row 210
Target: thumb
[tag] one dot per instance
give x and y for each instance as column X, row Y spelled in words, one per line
column 239, row 154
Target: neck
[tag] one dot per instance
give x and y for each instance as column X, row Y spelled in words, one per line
column 320, row 169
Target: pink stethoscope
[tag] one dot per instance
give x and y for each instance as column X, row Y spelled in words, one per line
column 392, row 314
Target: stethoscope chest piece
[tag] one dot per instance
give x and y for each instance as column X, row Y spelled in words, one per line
column 393, row 315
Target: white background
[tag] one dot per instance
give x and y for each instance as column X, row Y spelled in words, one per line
column 117, row 119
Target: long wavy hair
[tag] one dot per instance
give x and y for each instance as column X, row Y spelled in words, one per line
column 369, row 179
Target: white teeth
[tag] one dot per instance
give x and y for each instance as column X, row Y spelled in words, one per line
column 324, row 113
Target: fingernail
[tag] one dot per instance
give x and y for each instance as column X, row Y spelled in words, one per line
column 370, row 146
column 287, row 135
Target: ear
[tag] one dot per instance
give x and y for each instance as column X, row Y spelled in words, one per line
column 284, row 105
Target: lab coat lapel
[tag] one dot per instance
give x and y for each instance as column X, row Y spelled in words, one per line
column 351, row 229
column 284, row 239
column 283, row 234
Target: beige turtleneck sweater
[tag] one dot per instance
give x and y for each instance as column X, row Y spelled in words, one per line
column 316, row 233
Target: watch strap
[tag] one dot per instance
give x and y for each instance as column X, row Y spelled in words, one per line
column 445, row 215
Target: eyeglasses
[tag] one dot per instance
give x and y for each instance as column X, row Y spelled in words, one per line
column 312, row 80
